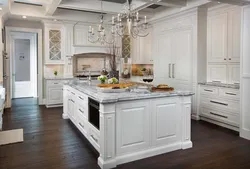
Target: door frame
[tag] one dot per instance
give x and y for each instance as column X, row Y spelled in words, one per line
column 33, row 60
column 39, row 62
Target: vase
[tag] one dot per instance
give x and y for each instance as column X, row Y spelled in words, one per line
column 114, row 74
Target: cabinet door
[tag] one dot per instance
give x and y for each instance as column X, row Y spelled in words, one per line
column 133, row 126
column 68, row 39
column 166, row 127
column 65, row 100
column 234, row 35
column 182, row 59
column 217, row 73
column 80, row 35
column 217, row 47
column 54, row 44
column 233, row 74
column 55, row 95
column 146, row 49
column 162, row 61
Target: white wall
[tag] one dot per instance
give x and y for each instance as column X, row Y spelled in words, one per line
column 24, row 23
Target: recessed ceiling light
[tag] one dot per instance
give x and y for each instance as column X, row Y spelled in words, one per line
column 1, row 8
column 54, row 20
column 24, row 17
column 218, row 2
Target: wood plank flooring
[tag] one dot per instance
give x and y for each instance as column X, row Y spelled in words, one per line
column 54, row 143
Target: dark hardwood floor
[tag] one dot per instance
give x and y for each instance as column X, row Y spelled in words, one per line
column 53, row 143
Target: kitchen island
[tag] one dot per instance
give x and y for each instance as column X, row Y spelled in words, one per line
column 128, row 126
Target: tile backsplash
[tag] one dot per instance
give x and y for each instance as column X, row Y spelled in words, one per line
column 49, row 70
column 136, row 69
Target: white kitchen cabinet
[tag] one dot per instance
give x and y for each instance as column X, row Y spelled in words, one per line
column 132, row 136
column 174, row 66
column 217, row 73
column 223, row 44
column 141, row 49
column 234, row 35
column 223, row 35
column 233, row 74
column 220, row 105
column 54, row 43
column 217, row 49
column 165, row 111
column 54, row 93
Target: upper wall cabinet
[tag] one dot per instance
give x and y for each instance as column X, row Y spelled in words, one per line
column 54, row 43
column 141, row 50
column 224, row 35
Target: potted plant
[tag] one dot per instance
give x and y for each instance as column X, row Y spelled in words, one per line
column 102, row 79
column 55, row 73
column 114, row 57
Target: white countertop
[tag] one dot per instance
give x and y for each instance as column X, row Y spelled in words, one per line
column 91, row 90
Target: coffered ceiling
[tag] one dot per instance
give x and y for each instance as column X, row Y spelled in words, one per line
column 77, row 9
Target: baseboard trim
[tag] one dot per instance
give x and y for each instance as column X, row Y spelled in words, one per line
column 245, row 134
column 140, row 155
column 195, row 117
column 55, row 105
column 220, row 124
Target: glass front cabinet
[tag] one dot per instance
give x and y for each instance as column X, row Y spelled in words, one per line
column 53, row 43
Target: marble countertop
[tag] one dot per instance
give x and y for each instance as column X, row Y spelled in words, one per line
column 58, row 78
column 232, row 86
column 90, row 89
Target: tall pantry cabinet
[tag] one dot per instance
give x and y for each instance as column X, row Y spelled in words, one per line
column 179, row 50
column 223, row 44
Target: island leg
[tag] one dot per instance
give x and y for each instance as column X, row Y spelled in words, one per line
column 186, row 122
column 107, row 158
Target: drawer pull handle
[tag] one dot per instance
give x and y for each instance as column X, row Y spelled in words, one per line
column 81, row 125
column 81, row 98
column 72, row 101
column 208, row 90
column 233, row 94
column 73, row 93
column 224, row 104
column 81, row 111
column 55, row 83
column 218, row 115
column 94, row 138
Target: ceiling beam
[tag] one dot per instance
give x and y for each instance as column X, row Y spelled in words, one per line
column 171, row 3
column 51, row 7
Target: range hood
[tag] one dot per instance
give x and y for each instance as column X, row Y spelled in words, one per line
column 83, row 63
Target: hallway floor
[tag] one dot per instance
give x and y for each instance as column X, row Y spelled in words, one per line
column 53, row 143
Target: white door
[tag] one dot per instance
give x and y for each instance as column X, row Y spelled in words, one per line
column 24, row 64
column 217, row 73
column 22, row 80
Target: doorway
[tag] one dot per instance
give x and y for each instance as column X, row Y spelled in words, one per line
column 24, row 77
column 24, row 64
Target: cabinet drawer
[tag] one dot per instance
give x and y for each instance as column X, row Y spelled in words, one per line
column 55, row 82
column 82, row 98
column 82, row 125
column 209, row 90
column 82, row 110
column 230, row 93
column 220, row 116
column 94, row 138
column 232, row 106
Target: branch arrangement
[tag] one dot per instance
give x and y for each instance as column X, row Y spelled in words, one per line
column 114, row 52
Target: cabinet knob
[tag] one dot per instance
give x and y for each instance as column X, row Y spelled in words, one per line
column 225, row 59
column 230, row 59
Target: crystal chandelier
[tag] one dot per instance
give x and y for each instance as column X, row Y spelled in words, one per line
column 101, row 35
column 126, row 23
